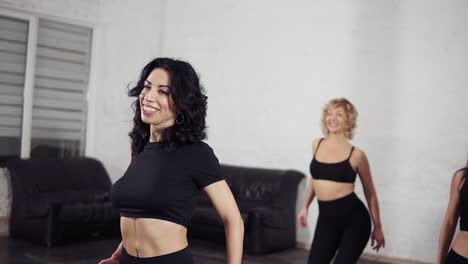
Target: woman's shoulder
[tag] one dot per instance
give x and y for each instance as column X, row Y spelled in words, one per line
column 460, row 174
column 358, row 151
column 200, row 144
column 459, row 177
column 358, row 154
column 199, row 148
column 316, row 142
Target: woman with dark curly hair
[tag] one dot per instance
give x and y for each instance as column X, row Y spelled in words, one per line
column 170, row 165
column 457, row 208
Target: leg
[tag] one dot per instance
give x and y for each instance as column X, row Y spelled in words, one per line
column 355, row 237
column 325, row 242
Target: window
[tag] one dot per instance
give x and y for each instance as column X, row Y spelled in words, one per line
column 13, row 47
column 44, row 75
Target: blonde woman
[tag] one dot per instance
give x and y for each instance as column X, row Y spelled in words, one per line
column 343, row 225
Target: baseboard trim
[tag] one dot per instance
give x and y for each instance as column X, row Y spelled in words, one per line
column 390, row 260
column 374, row 257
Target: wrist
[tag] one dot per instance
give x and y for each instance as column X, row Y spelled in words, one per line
column 116, row 255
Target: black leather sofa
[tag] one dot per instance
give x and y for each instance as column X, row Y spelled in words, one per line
column 267, row 201
column 55, row 200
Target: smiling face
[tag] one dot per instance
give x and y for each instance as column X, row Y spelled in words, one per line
column 156, row 104
column 339, row 116
column 336, row 120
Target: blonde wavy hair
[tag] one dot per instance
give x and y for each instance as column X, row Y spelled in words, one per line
column 350, row 112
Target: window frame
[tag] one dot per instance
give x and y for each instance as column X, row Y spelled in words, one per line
column 33, row 17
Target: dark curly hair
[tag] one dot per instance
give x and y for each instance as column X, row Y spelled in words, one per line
column 189, row 99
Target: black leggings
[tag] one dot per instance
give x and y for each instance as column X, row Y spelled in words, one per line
column 343, row 225
column 182, row 256
column 455, row 258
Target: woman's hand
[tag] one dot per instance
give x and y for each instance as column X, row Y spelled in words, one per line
column 109, row 261
column 302, row 217
column 378, row 239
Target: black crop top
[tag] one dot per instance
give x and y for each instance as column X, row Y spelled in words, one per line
column 338, row 171
column 163, row 185
column 463, row 205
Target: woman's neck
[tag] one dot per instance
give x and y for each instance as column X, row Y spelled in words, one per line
column 338, row 138
column 155, row 134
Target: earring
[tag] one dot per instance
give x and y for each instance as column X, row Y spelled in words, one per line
column 179, row 118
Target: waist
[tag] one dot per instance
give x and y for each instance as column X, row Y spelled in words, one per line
column 460, row 243
column 330, row 190
column 462, row 235
column 341, row 206
column 147, row 237
column 180, row 256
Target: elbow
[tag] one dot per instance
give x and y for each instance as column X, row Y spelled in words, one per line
column 449, row 223
column 372, row 197
column 234, row 221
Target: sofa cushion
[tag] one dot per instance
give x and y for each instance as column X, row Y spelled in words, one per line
column 253, row 184
column 86, row 174
column 257, row 191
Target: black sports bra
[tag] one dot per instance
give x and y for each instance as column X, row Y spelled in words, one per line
column 338, row 171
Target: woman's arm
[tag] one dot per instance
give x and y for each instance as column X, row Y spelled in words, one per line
column 115, row 258
column 224, row 202
column 363, row 169
column 303, row 214
column 310, row 194
column 450, row 220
